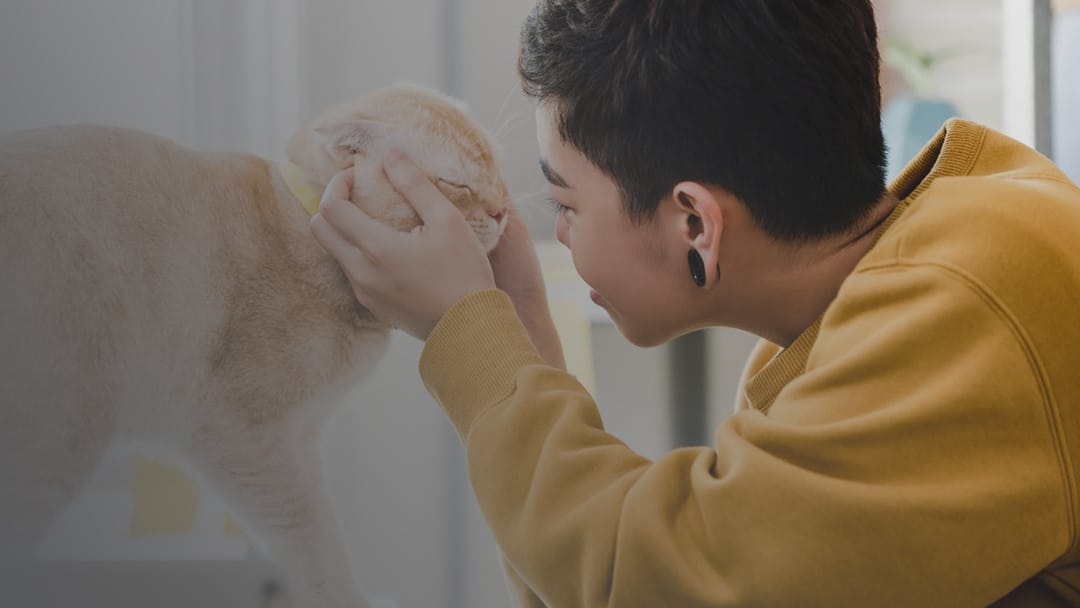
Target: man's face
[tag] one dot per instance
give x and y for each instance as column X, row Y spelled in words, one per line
column 630, row 267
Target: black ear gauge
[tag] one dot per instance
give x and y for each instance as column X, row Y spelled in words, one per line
column 697, row 268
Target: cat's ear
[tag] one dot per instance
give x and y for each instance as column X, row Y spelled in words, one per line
column 345, row 139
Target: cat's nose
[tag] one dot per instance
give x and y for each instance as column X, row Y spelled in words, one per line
column 498, row 216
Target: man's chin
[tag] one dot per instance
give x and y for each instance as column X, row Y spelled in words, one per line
column 643, row 337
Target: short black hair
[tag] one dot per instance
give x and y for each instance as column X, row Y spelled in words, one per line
column 777, row 101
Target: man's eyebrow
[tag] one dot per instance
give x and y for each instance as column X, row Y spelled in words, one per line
column 551, row 176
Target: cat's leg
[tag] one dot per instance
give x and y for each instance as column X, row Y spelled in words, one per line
column 271, row 475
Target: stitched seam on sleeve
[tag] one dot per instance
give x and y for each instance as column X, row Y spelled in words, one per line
column 1050, row 409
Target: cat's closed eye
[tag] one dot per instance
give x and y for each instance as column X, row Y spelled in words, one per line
column 453, row 184
column 459, row 194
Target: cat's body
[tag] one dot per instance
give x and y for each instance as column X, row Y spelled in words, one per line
column 154, row 292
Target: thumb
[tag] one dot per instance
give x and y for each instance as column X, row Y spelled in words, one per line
column 339, row 187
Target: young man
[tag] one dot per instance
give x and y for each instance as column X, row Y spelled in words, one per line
column 909, row 431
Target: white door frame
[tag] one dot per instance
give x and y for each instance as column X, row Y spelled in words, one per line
column 241, row 75
column 1026, row 27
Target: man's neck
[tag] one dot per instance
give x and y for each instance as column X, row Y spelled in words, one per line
column 799, row 293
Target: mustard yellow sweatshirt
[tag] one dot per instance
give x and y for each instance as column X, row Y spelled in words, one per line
column 917, row 446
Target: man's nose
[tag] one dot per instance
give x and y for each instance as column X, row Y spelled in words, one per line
column 562, row 232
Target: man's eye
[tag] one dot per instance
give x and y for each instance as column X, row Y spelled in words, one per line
column 559, row 207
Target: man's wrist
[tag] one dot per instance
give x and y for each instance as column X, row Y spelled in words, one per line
column 541, row 328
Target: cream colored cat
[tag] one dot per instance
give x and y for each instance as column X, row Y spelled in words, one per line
column 154, row 292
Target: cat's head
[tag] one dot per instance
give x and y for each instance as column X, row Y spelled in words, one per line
column 432, row 129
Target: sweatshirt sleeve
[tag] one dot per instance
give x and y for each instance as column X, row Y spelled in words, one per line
column 914, row 463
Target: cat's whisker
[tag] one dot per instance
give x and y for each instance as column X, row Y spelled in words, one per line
column 526, row 144
column 533, row 206
column 502, row 108
column 508, row 126
column 533, row 198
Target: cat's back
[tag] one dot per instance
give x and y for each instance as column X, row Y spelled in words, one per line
column 25, row 154
column 107, row 241
column 96, row 205
column 71, row 180
column 118, row 191
column 83, row 142
column 89, row 170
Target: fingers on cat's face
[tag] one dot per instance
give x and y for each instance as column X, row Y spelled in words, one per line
column 436, row 132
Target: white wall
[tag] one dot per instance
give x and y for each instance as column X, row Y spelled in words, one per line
column 391, row 461
column 204, row 73
column 65, row 62
column 1067, row 92
column 355, row 47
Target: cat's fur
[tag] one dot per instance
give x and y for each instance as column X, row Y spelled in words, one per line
column 155, row 292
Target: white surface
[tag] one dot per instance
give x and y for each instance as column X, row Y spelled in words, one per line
column 1067, row 92
column 95, row 526
column 1018, row 69
column 111, row 61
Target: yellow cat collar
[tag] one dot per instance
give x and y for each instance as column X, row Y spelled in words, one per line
column 296, row 180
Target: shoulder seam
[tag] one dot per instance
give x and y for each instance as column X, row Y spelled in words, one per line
column 1046, row 176
column 1050, row 408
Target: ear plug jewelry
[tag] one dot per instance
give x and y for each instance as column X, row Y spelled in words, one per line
column 697, row 268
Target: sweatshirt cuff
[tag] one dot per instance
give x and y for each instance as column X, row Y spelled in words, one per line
column 471, row 358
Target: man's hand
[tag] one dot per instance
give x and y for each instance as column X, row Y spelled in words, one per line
column 517, row 272
column 408, row 280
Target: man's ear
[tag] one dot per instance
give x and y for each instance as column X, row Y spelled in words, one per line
column 701, row 217
column 345, row 138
